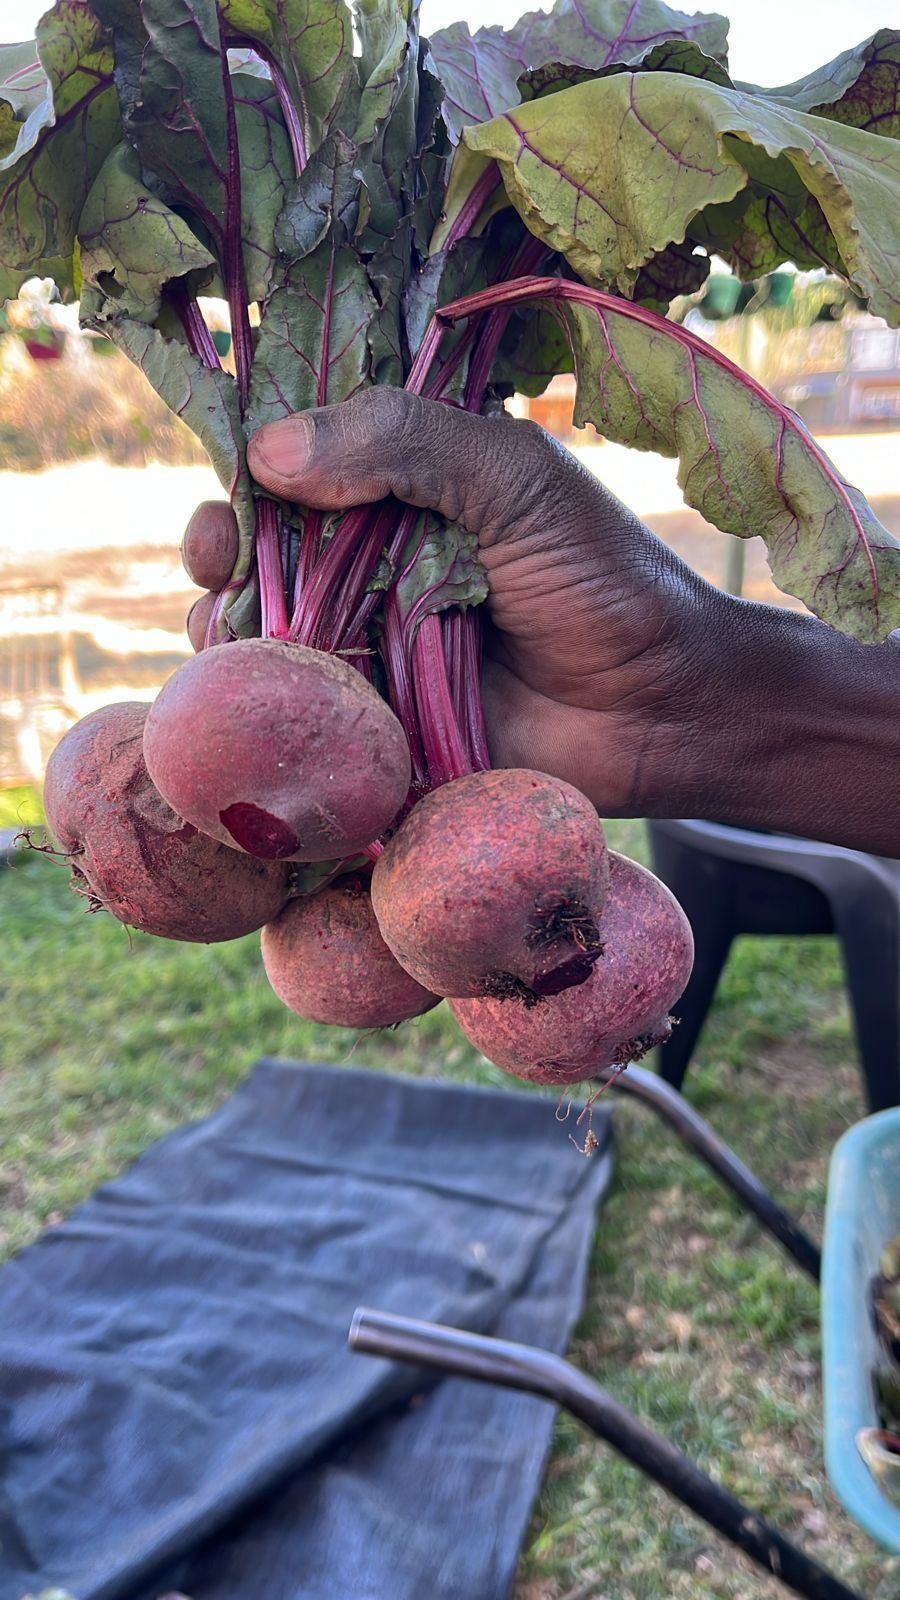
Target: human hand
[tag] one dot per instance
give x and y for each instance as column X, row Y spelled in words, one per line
column 610, row 663
column 596, row 625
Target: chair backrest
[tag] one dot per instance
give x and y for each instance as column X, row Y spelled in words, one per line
column 782, row 852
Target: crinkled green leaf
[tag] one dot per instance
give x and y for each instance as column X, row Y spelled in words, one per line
column 23, row 82
column 176, row 117
column 674, row 271
column 759, row 230
column 325, row 197
column 614, row 171
column 388, row 271
column 687, row 55
column 481, row 71
column 9, row 129
column 449, row 274
column 312, row 348
column 746, row 463
column 311, row 42
column 388, row 30
column 387, row 130
column 774, row 219
column 178, row 121
column 267, row 170
column 427, row 179
column 398, row 158
column 447, row 570
column 673, row 55
column 59, row 149
column 399, row 167
column 535, row 350
column 861, row 87
column 204, row 397
column 132, row 244
column 599, row 33
column 124, row 24
column 469, row 172
column 589, row 174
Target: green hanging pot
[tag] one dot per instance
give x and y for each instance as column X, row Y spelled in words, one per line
column 721, row 297
column 781, row 287
column 43, row 344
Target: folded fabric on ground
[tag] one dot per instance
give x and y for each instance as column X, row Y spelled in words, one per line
column 178, row 1405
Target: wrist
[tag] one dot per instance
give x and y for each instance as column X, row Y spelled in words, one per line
column 794, row 727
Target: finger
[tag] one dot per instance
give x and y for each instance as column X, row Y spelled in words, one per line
column 210, row 545
column 480, row 471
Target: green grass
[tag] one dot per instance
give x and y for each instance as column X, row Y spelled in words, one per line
column 693, row 1317
column 20, row 808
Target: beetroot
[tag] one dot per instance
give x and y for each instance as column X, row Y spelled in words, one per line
column 493, row 886
column 130, row 852
column 619, row 1014
column 278, row 750
column 209, row 548
column 198, row 620
column 326, row 960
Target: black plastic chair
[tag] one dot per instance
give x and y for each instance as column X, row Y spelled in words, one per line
column 731, row 881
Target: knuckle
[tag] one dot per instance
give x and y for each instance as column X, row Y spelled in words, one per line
column 512, row 473
column 376, row 417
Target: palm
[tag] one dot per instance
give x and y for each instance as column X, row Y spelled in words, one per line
column 583, row 647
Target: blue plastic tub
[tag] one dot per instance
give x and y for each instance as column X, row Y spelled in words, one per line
column 863, row 1213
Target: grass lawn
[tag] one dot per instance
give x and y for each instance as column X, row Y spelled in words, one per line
column 693, row 1317
column 19, row 808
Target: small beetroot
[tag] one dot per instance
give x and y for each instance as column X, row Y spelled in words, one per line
column 326, row 960
column 493, row 886
column 132, row 855
column 619, row 1014
column 198, row 620
column 209, row 548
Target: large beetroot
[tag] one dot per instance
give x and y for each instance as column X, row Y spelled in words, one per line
column 622, row 1010
column 278, row 750
column 133, row 856
column 493, row 886
column 326, row 960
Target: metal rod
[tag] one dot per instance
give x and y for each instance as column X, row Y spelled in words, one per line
column 696, row 1133
column 519, row 1366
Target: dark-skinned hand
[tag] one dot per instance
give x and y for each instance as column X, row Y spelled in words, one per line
column 612, row 664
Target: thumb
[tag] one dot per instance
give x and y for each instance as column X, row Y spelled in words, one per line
column 472, row 469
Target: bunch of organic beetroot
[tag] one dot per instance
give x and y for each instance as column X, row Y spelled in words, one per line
column 460, row 217
column 270, row 785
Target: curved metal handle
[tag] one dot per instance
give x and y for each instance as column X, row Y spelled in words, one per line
column 539, row 1372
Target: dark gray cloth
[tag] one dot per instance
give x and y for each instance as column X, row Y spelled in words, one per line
column 178, row 1405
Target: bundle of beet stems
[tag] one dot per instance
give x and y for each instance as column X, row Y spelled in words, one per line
column 438, row 217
